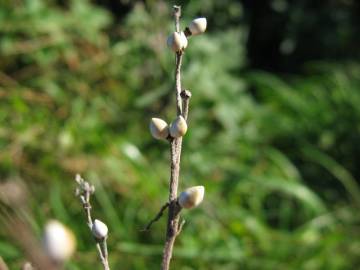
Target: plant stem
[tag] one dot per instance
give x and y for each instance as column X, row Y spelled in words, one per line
column 182, row 106
column 174, row 208
column 178, row 61
column 84, row 192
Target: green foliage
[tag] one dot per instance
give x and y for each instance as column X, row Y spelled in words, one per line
column 276, row 155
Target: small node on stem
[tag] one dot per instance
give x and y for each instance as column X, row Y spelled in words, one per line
column 185, row 94
column 191, row 197
column 187, row 32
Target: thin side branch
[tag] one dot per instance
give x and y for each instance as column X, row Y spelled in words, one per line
column 181, row 225
column 84, row 190
column 157, row 217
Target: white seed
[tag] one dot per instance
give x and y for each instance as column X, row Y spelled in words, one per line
column 177, row 41
column 99, row 229
column 184, row 41
column 191, row 197
column 58, row 241
column 178, row 127
column 198, row 26
column 159, row 128
column 174, row 42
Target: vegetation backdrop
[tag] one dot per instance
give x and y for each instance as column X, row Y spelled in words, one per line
column 274, row 129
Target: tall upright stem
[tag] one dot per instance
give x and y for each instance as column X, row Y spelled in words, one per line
column 175, row 153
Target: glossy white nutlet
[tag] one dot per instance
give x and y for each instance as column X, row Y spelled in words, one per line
column 99, row 229
column 178, row 127
column 198, row 26
column 58, row 241
column 184, row 40
column 191, row 197
column 177, row 41
column 159, row 128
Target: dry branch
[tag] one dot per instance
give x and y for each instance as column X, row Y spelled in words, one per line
column 84, row 192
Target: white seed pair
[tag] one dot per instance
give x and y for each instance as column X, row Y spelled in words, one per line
column 178, row 42
column 161, row 130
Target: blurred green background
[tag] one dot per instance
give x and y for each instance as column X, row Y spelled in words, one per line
column 274, row 128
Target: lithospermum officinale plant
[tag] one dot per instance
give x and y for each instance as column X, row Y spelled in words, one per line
column 159, row 129
column 173, row 133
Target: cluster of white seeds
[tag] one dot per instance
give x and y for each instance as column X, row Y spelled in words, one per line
column 178, row 42
column 160, row 130
column 58, row 240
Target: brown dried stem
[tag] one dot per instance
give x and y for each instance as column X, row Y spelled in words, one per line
column 182, row 106
column 178, row 61
column 84, row 192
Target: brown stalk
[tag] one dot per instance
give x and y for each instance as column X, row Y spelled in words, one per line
column 182, row 106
